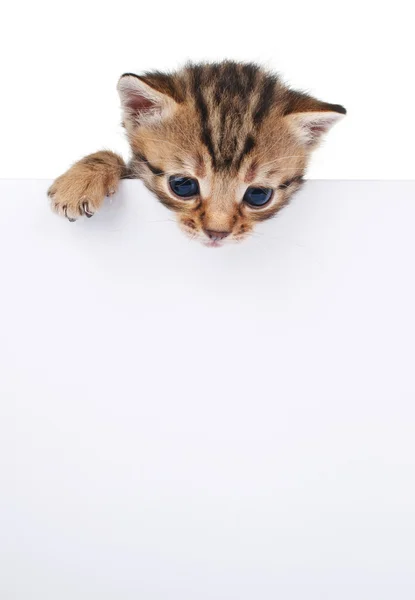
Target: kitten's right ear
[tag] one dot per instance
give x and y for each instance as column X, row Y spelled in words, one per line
column 141, row 101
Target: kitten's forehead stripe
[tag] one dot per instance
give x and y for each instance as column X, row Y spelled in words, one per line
column 248, row 146
column 201, row 105
column 266, row 100
column 232, row 100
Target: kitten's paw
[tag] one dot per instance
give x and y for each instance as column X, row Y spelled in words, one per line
column 79, row 192
column 82, row 189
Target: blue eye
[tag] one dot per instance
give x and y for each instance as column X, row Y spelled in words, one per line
column 257, row 196
column 185, row 187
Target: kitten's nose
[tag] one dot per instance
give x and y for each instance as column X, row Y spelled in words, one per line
column 216, row 235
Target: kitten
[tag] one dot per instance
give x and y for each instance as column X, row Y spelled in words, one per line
column 222, row 145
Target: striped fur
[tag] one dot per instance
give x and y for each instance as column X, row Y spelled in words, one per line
column 229, row 125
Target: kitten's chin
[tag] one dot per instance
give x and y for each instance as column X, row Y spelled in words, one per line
column 211, row 244
column 200, row 238
column 207, row 243
column 220, row 244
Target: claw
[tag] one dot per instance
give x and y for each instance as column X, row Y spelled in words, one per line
column 88, row 214
column 65, row 212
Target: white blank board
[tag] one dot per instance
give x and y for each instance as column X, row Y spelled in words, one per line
column 181, row 422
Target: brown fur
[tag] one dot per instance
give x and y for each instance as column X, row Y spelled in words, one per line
column 228, row 125
column 82, row 189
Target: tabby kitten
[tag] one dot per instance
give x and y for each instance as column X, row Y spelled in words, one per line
column 222, row 145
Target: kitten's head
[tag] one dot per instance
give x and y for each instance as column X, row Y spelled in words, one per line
column 223, row 145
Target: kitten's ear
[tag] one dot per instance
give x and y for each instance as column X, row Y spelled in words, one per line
column 147, row 97
column 309, row 118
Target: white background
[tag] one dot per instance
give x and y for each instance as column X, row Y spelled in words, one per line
column 187, row 423
column 182, row 423
column 60, row 63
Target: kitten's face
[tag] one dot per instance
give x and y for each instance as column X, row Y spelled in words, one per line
column 218, row 145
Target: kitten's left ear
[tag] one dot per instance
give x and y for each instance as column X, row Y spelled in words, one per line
column 147, row 97
column 310, row 118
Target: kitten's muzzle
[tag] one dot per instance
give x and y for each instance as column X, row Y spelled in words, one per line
column 216, row 236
